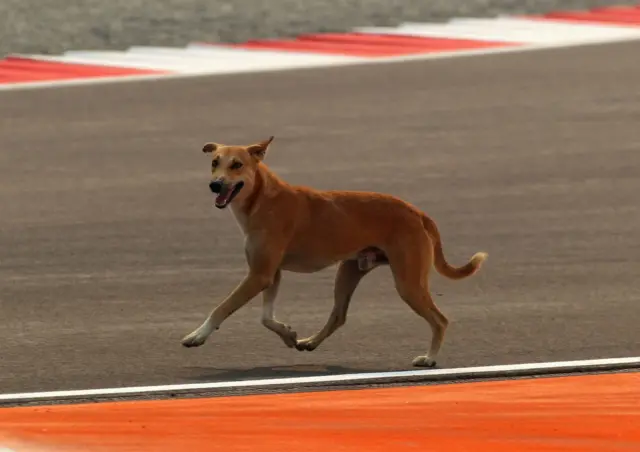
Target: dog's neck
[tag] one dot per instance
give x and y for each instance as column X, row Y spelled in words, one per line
column 265, row 184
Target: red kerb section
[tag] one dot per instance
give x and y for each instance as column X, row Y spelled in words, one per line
column 612, row 15
column 368, row 45
column 20, row 70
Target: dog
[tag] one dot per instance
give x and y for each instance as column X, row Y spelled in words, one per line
column 300, row 229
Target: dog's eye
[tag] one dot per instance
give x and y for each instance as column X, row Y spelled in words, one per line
column 236, row 165
column 214, row 163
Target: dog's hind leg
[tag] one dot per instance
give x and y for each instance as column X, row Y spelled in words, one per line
column 347, row 279
column 410, row 266
column 268, row 314
column 426, row 308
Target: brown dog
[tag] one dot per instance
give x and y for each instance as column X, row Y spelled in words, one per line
column 300, row 229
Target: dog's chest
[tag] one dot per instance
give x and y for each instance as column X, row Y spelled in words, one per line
column 241, row 218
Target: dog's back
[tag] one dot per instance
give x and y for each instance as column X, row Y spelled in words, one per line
column 351, row 219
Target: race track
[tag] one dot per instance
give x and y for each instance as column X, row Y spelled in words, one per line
column 111, row 249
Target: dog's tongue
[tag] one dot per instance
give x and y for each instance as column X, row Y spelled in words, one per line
column 224, row 196
column 222, row 199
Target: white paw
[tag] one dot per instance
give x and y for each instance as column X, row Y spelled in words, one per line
column 306, row 344
column 423, row 361
column 197, row 338
column 289, row 337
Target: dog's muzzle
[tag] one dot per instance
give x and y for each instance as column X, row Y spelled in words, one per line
column 216, row 186
column 226, row 191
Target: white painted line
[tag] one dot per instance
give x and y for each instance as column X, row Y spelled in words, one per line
column 66, row 59
column 225, row 54
column 187, row 61
column 349, row 62
column 552, row 25
column 399, row 376
column 160, row 61
column 536, row 29
column 258, row 51
column 183, row 60
column 229, row 60
column 506, row 30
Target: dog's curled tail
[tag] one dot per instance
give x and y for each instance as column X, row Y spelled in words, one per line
column 441, row 264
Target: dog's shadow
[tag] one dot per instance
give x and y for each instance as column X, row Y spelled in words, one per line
column 207, row 374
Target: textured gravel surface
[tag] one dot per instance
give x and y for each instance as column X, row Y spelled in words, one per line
column 52, row 26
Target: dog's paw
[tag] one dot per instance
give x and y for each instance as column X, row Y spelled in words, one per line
column 195, row 339
column 306, row 345
column 289, row 337
column 424, row 361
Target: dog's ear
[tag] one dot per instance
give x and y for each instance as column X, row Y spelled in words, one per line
column 258, row 151
column 210, row 147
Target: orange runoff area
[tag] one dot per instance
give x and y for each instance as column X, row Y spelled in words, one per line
column 577, row 413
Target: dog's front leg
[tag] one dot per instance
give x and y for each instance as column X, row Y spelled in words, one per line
column 264, row 262
column 269, row 320
column 251, row 286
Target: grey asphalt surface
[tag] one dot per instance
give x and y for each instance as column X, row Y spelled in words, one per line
column 111, row 249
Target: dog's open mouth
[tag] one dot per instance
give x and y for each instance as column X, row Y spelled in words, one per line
column 227, row 193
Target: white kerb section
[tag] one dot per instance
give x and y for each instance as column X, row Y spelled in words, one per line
column 511, row 30
column 387, row 377
column 195, row 60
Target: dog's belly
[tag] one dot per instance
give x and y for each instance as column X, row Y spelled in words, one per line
column 305, row 264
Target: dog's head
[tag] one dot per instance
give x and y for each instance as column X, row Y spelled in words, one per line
column 233, row 169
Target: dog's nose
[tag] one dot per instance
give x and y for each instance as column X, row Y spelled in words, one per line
column 215, row 186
